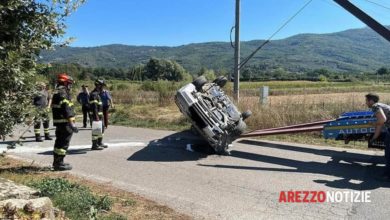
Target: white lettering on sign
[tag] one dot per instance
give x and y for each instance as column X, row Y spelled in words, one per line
column 357, row 131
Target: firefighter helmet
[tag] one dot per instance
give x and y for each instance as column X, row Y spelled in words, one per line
column 100, row 82
column 64, row 79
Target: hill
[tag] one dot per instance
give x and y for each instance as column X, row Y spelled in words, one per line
column 355, row 50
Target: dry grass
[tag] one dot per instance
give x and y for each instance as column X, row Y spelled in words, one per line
column 134, row 97
column 150, row 115
column 294, row 109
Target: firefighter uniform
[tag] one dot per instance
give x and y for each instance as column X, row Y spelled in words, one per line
column 41, row 102
column 63, row 119
column 96, row 111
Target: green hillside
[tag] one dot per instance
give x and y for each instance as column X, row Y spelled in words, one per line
column 355, row 50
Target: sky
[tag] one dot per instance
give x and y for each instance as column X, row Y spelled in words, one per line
column 180, row 22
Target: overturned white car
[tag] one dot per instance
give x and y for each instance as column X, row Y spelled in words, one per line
column 212, row 113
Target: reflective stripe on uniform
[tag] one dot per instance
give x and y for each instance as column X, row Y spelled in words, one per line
column 66, row 102
column 60, row 120
column 60, row 151
column 100, row 113
column 95, row 137
column 37, row 131
column 96, row 102
column 46, row 130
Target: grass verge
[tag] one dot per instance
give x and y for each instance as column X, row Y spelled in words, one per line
column 84, row 199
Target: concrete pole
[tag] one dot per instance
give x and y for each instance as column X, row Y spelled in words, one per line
column 237, row 54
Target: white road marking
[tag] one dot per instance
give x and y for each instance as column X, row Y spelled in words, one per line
column 23, row 149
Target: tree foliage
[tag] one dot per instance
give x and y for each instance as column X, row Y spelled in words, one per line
column 162, row 69
column 209, row 74
column 383, row 71
column 27, row 27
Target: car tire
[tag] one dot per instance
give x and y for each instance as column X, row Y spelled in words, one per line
column 246, row 114
column 239, row 129
column 220, row 81
column 199, row 82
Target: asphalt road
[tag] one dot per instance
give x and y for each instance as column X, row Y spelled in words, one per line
column 245, row 185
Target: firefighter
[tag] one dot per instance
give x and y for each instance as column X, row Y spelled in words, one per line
column 96, row 111
column 42, row 102
column 64, row 120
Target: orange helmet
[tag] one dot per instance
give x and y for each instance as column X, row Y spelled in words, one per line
column 64, row 79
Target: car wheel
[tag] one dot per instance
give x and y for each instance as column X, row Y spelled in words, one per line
column 220, row 81
column 199, row 82
column 240, row 128
column 246, row 114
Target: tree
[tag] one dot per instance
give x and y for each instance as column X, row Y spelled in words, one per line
column 383, row 71
column 27, row 27
column 322, row 78
column 136, row 73
column 247, row 74
column 162, row 69
column 209, row 74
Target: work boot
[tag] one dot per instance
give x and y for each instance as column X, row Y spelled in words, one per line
column 47, row 137
column 38, row 138
column 100, row 143
column 95, row 146
column 59, row 165
column 62, row 167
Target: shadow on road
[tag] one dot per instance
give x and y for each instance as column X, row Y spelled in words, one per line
column 336, row 155
column 173, row 148
column 356, row 171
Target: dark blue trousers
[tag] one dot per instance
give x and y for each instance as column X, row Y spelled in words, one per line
column 387, row 151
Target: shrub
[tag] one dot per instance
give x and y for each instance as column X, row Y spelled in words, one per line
column 77, row 201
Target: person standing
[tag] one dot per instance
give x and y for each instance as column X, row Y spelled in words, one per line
column 64, row 120
column 107, row 103
column 96, row 111
column 382, row 114
column 42, row 102
column 83, row 99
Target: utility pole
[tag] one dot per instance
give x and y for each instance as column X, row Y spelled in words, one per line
column 237, row 54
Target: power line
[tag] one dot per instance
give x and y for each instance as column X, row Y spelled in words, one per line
column 276, row 32
column 378, row 4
